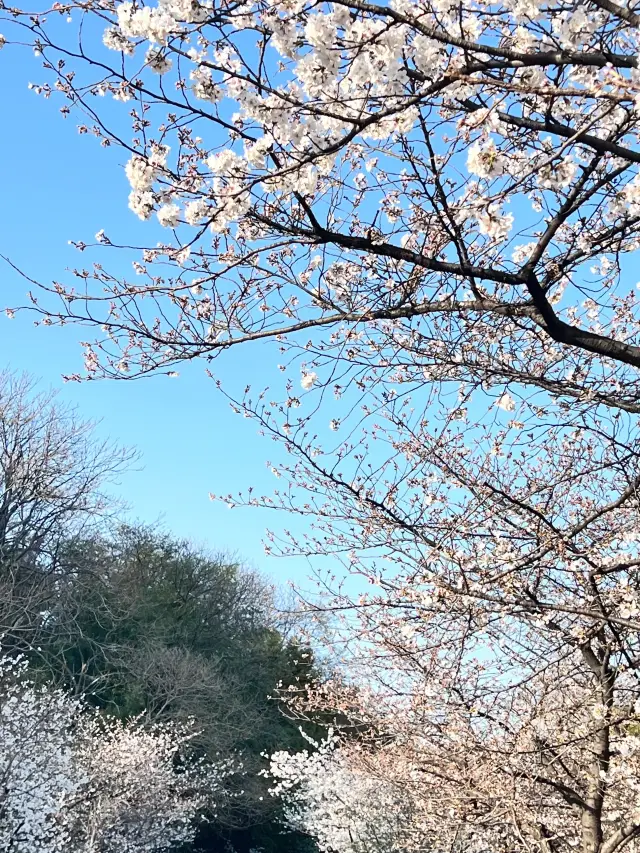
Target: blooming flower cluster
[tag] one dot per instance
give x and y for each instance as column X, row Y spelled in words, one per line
column 77, row 782
column 380, row 131
column 345, row 808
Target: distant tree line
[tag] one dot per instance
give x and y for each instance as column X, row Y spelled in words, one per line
column 140, row 625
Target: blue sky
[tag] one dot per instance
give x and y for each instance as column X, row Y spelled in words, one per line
column 55, row 187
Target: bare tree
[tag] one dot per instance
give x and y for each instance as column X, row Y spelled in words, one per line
column 52, row 472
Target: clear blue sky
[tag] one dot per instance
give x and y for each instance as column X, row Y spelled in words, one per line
column 56, row 186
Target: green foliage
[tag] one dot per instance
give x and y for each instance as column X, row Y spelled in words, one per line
column 148, row 623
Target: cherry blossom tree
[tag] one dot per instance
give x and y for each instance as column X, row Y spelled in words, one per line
column 346, row 806
column 424, row 176
column 142, row 791
column 515, row 784
column 82, row 783
column 37, row 763
column 497, row 653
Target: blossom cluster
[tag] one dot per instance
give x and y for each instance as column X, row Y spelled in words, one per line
column 78, row 782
